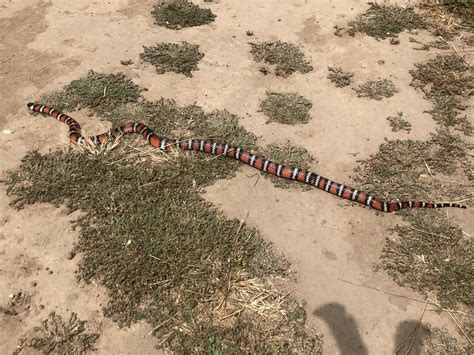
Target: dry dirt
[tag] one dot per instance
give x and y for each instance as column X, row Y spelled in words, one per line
column 46, row 44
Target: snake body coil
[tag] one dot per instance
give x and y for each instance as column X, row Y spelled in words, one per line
column 211, row 147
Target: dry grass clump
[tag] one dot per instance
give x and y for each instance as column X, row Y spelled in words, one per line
column 287, row 108
column 382, row 21
column 99, row 92
column 340, row 77
column 446, row 80
column 178, row 14
column 445, row 19
column 398, row 123
column 287, row 57
column 181, row 58
column 377, row 89
column 440, row 342
column 444, row 75
column 448, row 18
column 431, row 255
column 56, row 336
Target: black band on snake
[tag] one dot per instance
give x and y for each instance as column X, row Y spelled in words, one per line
column 211, row 147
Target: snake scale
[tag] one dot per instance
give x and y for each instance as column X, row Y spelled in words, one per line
column 209, row 146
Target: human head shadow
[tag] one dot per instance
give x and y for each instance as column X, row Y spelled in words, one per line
column 343, row 327
column 406, row 331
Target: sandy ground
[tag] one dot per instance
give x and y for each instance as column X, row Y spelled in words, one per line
column 46, row 44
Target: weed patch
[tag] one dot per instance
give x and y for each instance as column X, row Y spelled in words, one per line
column 448, row 18
column 165, row 255
column 99, row 92
column 440, row 342
column 173, row 57
column 287, row 108
column 398, row 123
column 178, row 14
column 444, row 75
column 437, row 259
column 287, row 57
column 56, row 336
column 377, row 89
column 382, row 21
column 340, row 77
column 446, row 80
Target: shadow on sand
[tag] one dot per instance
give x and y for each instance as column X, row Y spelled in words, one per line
column 343, row 327
column 409, row 337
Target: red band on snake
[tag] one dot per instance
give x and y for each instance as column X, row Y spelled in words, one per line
column 211, row 147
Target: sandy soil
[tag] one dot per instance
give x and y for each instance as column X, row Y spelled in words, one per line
column 46, row 44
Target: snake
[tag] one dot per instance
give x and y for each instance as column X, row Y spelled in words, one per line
column 210, row 146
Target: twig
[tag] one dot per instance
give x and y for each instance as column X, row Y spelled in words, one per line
column 164, row 322
column 404, row 340
column 256, row 182
column 241, row 224
column 417, row 328
column 233, row 314
column 166, row 337
column 376, row 289
column 454, row 320
column 428, row 233
column 424, row 308
column 460, row 328
column 407, row 297
column 428, row 168
column 464, row 200
column 455, row 51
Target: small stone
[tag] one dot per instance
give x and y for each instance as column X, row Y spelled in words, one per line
column 34, row 284
column 41, row 306
column 70, row 255
column 50, row 272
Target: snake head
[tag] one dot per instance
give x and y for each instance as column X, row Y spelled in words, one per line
column 31, row 106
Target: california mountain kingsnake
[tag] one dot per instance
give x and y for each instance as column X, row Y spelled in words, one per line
column 211, row 147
